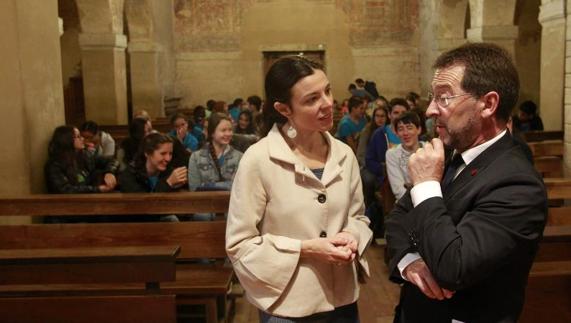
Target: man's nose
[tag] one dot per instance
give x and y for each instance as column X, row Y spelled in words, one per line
column 432, row 110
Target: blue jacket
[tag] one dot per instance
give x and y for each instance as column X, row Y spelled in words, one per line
column 376, row 151
column 190, row 142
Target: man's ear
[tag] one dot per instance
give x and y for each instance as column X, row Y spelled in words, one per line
column 490, row 101
column 283, row 109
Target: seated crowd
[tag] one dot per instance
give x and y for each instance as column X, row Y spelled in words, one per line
column 203, row 149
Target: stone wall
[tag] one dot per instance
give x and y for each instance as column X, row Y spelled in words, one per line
column 220, row 45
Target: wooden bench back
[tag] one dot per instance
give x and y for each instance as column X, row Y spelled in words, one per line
column 80, row 265
column 196, row 239
column 114, row 204
column 36, row 284
column 532, row 136
column 548, row 157
column 88, row 309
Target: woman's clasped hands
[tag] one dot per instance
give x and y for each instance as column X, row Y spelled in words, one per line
column 339, row 250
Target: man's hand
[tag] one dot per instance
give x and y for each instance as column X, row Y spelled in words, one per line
column 418, row 273
column 427, row 163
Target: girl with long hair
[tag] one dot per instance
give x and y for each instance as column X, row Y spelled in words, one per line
column 72, row 169
column 214, row 166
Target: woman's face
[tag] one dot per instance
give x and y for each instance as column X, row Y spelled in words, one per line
column 160, row 158
column 243, row 122
column 181, row 125
column 223, row 133
column 78, row 143
column 311, row 107
column 380, row 117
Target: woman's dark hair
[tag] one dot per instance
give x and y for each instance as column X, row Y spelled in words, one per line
column 372, row 125
column 237, row 102
column 281, row 77
column 255, row 101
column 412, row 96
column 137, row 128
column 354, row 102
column 210, row 104
column 398, row 101
column 213, row 123
column 90, row 126
column 218, row 107
column 198, row 114
column 131, row 144
column 251, row 129
column 61, row 149
column 528, row 107
column 177, row 116
column 61, row 143
column 148, row 145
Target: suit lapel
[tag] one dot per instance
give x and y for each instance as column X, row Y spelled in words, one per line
column 478, row 165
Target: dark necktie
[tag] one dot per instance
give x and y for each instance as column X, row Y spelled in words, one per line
column 451, row 169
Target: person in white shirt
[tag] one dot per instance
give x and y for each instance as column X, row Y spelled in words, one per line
column 408, row 129
column 97, row 141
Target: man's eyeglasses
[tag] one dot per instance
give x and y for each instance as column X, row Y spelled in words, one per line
column 443, row 101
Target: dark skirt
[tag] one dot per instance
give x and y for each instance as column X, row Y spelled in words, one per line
column 343, row 314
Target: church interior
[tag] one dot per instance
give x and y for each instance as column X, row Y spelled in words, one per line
column 65, row 62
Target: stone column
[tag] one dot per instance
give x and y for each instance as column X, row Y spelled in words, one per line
column 504, row 36
column 551, row 88
column 104, row 77
column 31, row 91
column 146, row 89
column 567, row 95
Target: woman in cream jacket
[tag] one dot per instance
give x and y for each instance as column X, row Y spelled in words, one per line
column 296, row 229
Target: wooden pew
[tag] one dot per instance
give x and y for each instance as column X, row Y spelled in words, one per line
column 558, row 189
column 206, row 284
column 547, row 148
column 548, row 295
column 120, row 132
column 35, row 284
column 548, row 157
column 532, row 136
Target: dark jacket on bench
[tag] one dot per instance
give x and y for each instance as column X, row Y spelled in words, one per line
column 133, row 180
column 87, row 178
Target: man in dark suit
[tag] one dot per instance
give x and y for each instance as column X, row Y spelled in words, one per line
column 463, row 239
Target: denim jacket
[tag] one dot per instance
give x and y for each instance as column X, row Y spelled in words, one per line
column 203, row 174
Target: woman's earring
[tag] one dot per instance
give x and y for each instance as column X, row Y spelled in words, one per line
column 291, row 132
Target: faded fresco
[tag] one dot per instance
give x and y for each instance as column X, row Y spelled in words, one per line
column 204, row 26
column 376, row 22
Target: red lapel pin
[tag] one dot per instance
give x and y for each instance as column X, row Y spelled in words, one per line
column 473, row 171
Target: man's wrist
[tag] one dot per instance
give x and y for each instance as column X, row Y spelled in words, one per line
column 425, row 190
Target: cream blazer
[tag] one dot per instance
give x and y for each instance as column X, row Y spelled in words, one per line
column 276, row 202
